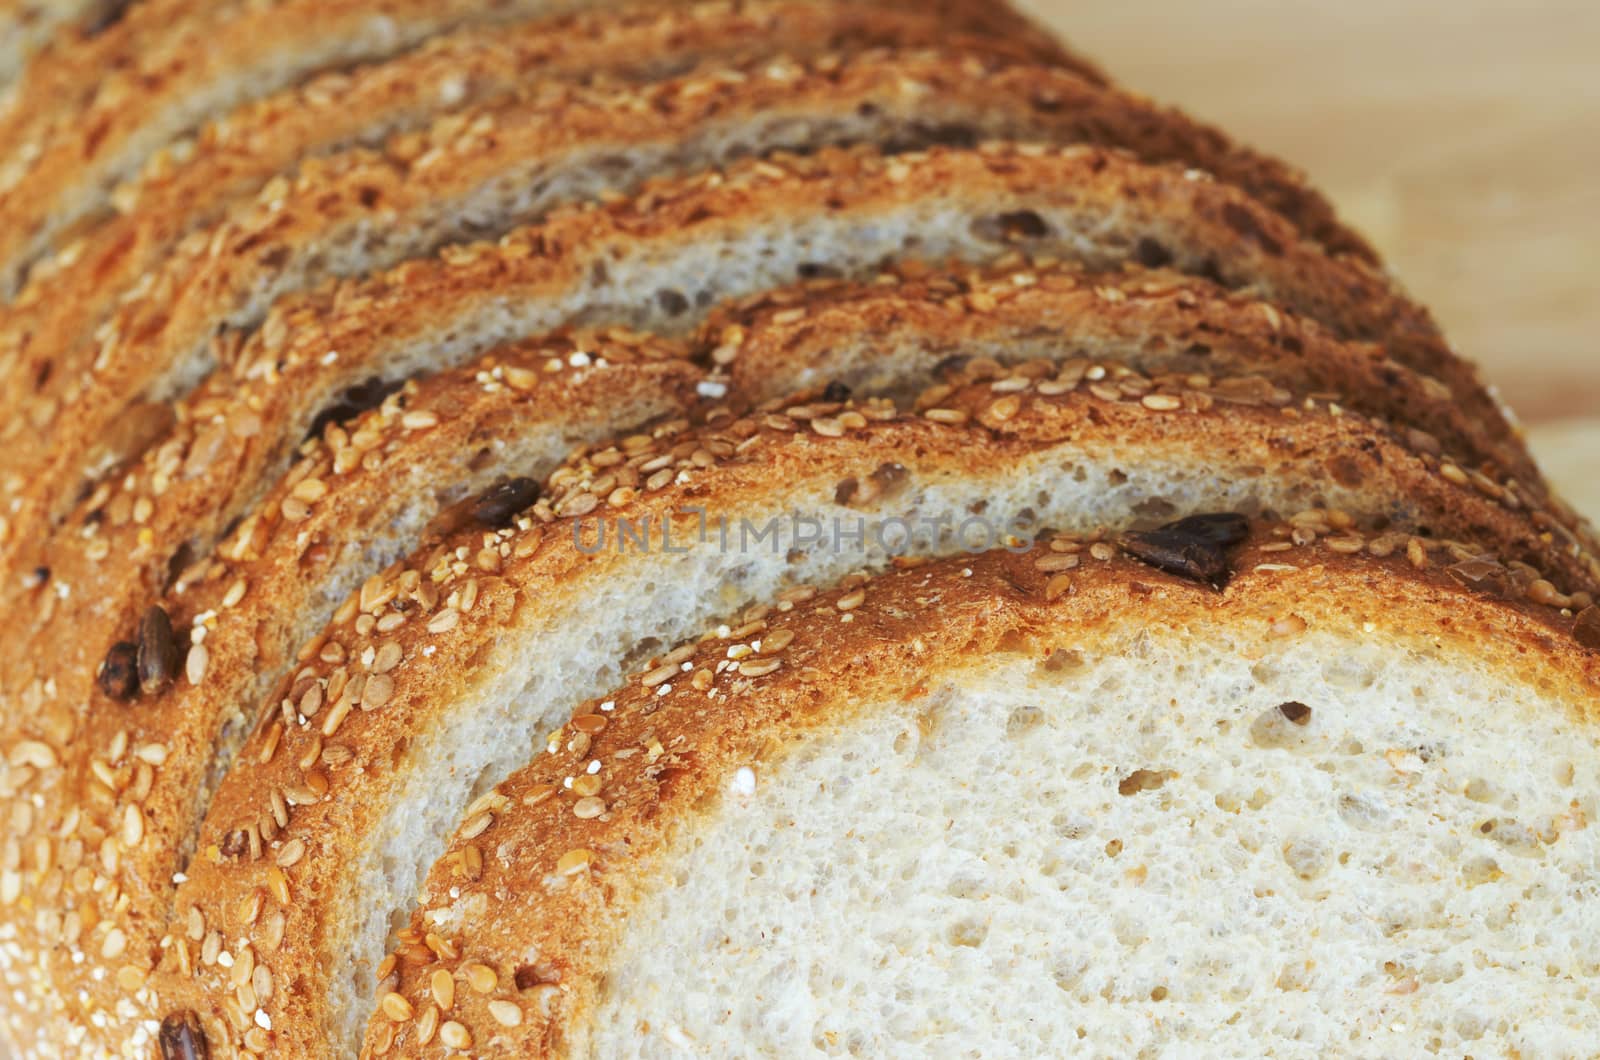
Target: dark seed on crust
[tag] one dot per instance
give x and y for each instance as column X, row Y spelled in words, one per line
column 500, row 504
column 361, row 397
column 1195, row 547
column 235, row 843
column 158, row 654
column 182, row 1039
column 1586, row 631
column 1296, row 713
column 119, row 674
column 836, row 391
column 1150, row 254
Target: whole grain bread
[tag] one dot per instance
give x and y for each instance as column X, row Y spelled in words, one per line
column 360, row 493
column 195, row 182
column 413, row 744
column 331, row 514
column 483, row 171
column 94, row 113
column 724, row 868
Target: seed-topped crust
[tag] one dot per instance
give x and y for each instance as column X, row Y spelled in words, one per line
column 265, row 591
column 195, row 182
column 476, row 593
column 565, row 142
column 93, row 111
column 581, row 833
column 145, row 749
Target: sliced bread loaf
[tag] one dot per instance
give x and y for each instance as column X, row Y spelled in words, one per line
column 358, row 496
column 479, row 172
column 1000, row 803
column 90, row 116
column 195, row 182
column 509, row 630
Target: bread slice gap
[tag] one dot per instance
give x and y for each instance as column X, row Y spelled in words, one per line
column 737, row 501
column 109, row 105
column 991, row 804
column 480, row 172
column 192, row 184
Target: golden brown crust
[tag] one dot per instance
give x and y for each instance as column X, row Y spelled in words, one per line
column 162, row 333
column 561, row 868
column 116, row 553
column 156, row 81
column 460, row 601
column 1184, row 323
column 240, row 614
column 192, row 184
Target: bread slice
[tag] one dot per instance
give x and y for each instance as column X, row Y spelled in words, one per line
column 508, row 630
column 194, row 183
column 481, row 172
column 133, row 97
column 279, row 576
column 991, row 805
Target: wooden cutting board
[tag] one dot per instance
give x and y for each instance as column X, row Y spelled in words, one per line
column 1462, row 137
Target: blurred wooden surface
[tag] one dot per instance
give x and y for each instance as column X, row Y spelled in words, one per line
column 1463, row 137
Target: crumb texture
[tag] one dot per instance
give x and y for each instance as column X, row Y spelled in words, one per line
column 1340, row 849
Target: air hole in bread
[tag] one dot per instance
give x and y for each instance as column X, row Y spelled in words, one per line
column 1016, row 226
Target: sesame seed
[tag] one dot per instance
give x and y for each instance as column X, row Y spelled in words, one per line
column 427, row 1025
column 455, row 1036
column 759, row 667
column 32, row 753
column 132, row 826
column 587, row 808
column 444, row 621
column 573, row 862
column 443, row 986
column 480, row 976
column 1161, row 402
column 851, row 600
column 419, row 420
column 309, row 490
column 397, row 1008
column 540, row 793
column 194, row 666
column 291, row 852
column 377, row 691
column 658, row 675
column 950, row 416
column 506, row 1013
